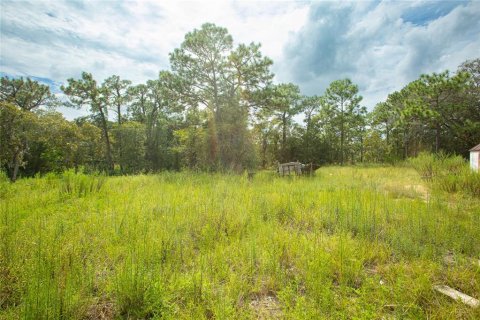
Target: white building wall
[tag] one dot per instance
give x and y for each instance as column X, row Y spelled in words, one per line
column 474, row 159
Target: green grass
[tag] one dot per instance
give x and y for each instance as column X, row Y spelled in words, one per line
column 448, row 173
column 349, row 243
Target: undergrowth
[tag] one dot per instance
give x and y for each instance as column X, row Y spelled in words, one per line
column 448, row 173
column 347, row 243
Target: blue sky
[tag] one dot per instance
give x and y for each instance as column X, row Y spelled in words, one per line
column 380, row 45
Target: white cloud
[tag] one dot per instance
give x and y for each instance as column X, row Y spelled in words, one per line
column 133, row 39
column 376, row 46
column 380, row 45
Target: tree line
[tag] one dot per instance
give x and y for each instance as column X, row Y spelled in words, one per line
column 217, row 109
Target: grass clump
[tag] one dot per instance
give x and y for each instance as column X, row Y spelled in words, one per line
column 79, row 184
column 448, row 173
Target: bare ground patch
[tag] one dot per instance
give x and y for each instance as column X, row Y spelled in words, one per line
column 100, row 309
column 423, row 192
column 412, row 191
column 266, row 307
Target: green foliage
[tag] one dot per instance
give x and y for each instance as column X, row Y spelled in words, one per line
column 53, row 155
column 283, row 104
column 90, row 147
column 217, row 110
column 118, row 95
column 226, row 81
column 343, row 118
column 17, row 129
column 86, row 92
column 437, row 112
column 26, row 94
column 129, row 142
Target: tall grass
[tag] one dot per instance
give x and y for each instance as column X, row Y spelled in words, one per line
column 448, row 173
column 79, row 184
column 347, row 243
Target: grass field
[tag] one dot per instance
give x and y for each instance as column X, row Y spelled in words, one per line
column 349, row 243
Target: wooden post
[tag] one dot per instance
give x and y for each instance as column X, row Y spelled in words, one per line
column 457, row 295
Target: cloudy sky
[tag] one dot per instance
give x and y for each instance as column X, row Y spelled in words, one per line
column 380, row 45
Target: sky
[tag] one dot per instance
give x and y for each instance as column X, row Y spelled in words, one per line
column 379, row 45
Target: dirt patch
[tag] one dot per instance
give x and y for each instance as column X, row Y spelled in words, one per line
column 449, row 258
column 101, row 309
column 266, row 307
column 412, row 191
column 422, row 191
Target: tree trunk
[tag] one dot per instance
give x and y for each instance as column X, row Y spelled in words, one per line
column 264, row 152
column 342, row 134
column 16, row 166
column 107, row 141
column 216, row 146
column 387, row 131
column 284, row 136
column 437, row 138
column 361, row 148
column 119, row 120
column 307, row 144
column 148, row 143
column 212, row 128
column 120, row 136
